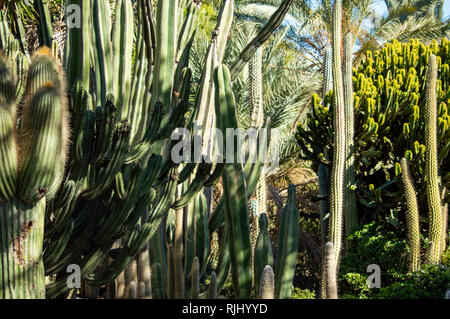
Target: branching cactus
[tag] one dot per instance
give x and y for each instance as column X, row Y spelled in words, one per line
column 412, row 216
column 34, row 159
column 128, row 89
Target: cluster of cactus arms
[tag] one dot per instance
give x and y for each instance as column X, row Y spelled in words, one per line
column 394, row 118
column 85, row 154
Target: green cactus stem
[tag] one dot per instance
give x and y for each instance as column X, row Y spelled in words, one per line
column 431, row 164
column 267, row 284
column 195, row 279
column 329, row 267
column 350, row 215
column 263, row 250
column 287, row 247
column 236, row 209
column 212, row 288
column 412, row 216
column 336, row 195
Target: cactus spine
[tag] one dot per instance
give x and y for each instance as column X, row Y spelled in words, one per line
column 412, row 216
column 431, row 164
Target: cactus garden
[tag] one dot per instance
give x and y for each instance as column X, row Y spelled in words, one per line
column 185, row 149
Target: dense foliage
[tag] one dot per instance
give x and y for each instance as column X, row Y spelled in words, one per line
column 389, row 101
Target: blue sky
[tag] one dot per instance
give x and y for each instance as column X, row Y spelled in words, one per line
column 447, row 8
column 446, row 12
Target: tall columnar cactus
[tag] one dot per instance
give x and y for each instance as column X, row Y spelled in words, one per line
column 41, row 148
column 323, row 171
column 233, row 178
column 412, row 216
column 431, row 164
column 288, row 239
column 255, row 88
column 350, row 213
column 336, row 195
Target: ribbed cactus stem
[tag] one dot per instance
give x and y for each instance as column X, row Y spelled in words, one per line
column 195, row 279
column 287, row 247
column 178, row 255
column 263, row 250
column 255, row 87
column 444, row 220
column 157, row 284
column 412, row 216
column 212, row 289
column 144, row 274
column 350, row 214
column 431, row 164
column 323, row 172
column 267, row 284
column 170, row 272
column 336, row 195
column 330, row 271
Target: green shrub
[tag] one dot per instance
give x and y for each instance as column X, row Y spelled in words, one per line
column 298, row 293
column 430, row 282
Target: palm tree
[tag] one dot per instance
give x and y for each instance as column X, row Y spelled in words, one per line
column 403, row 20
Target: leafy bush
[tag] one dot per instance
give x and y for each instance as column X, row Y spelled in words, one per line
column 372, row 243
column 431, row 282
column 298, row 293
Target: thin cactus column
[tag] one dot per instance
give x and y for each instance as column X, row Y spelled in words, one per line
column 444, row 220
column 431, row 164
column 412, row 216
column 323, row 172
column 287, row 247
column 336, row 195
column 350, row 214
column 255, row 88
